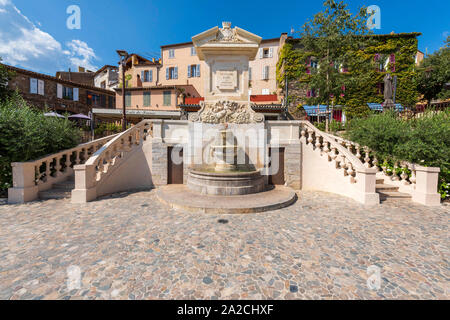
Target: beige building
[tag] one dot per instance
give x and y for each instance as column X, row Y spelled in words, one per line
column 156, row 88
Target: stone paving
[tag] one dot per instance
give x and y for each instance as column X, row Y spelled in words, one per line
column 132, row 247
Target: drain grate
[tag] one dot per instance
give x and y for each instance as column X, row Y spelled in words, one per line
column 222, row 221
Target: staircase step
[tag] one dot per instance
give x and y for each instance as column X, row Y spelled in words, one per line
column 394, row 195
column 65, row 185
column 54, row 194
column 386, row 187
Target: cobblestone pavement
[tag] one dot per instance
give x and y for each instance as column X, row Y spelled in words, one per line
column 132, row 247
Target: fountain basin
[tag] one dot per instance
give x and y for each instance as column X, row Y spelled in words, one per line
column 225, row 183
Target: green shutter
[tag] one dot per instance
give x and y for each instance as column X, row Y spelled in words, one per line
column 146, row 99
column 128, row 99
column 167, row 98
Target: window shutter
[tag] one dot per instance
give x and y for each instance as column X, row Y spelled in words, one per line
column 143, row 76
column 176, row 73
column 198, row 70
column 271, row 52
column 261, row 53
column 249, row 73
column 151, row 75
column 392, row 60
column 59, row 91
column 41, row 87
column 189, row 71
column 33, row 85
column 167, row 73
column 76, row 94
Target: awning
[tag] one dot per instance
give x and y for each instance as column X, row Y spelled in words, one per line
column 137, row 113
column 379, row 107
column 315, row 110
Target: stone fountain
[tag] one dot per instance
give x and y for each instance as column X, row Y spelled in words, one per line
column 227, row 53
column 226, row 149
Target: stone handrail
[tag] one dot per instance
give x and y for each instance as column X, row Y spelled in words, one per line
column 421, row 182
column 100, row 164
column 326, row 143
column 38, row 175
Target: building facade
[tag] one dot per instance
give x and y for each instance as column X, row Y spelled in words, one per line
column 107, row 77
column 178, row 79
column 50, row 93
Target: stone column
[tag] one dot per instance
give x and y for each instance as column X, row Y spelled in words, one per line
column 426, row 186
column 24, row 186
column 85, row 189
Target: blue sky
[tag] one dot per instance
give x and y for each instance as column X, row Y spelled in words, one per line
column 33, row 34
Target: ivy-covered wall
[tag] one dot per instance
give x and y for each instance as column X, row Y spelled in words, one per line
column 293, row 63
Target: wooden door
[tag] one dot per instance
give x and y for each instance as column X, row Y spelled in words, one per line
column 175, row 165
column 277, row 177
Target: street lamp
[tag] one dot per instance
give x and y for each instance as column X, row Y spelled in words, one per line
column 123, row 60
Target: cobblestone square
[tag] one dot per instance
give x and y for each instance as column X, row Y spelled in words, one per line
column 130, row 246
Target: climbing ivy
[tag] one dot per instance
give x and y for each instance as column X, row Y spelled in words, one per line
column 359, row 89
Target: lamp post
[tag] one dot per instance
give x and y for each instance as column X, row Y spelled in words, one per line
column 123, row 60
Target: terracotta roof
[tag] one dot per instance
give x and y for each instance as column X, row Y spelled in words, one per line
column 86, row 78
column 51, row 78
column 104, row 68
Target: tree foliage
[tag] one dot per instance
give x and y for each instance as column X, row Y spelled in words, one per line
column 434, row 74
column 26, row 134
column 329, row 38
column 5, row 76
column 423, row 140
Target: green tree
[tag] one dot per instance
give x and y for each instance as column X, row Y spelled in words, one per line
column 434, row 74
column 5, row 76
column 330, row 39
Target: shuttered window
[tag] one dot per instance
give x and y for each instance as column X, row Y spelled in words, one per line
column 171, row 53
column 194, row 71
column 128, row 99
column 193, row 51
column 76, row 94
column 59, row 91
column 147, row 99
column 171, row 73
column 167, row 98
column 41, row 87
column 33, row 86
column 265, row 73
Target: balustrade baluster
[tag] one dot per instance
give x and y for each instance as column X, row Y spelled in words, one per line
column 303, row 135
column 318, row 144
column 366, row 157
column 358, row 151
column 395, row 176
column 404, row 175
column 310, row 136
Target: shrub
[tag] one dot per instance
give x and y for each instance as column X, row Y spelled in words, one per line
column 424, row 141
column 26, row 134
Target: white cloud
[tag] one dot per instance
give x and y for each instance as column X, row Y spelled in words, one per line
column 25, row 45
column 81, row 54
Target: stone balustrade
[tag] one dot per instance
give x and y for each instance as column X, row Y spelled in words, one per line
column 99, row 167
column 342, row 172
column 418, row 181
column 31, row 177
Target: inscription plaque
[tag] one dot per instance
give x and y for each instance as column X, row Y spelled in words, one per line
column 226, row 79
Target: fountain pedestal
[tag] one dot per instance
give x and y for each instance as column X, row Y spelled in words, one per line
column 226, row 177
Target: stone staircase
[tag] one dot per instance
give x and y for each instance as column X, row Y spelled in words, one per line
column 61, row 190
column 390, row 193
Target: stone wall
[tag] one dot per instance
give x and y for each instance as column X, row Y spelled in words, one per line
column 50, row 101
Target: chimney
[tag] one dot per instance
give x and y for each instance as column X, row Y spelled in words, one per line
column 81, row 69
